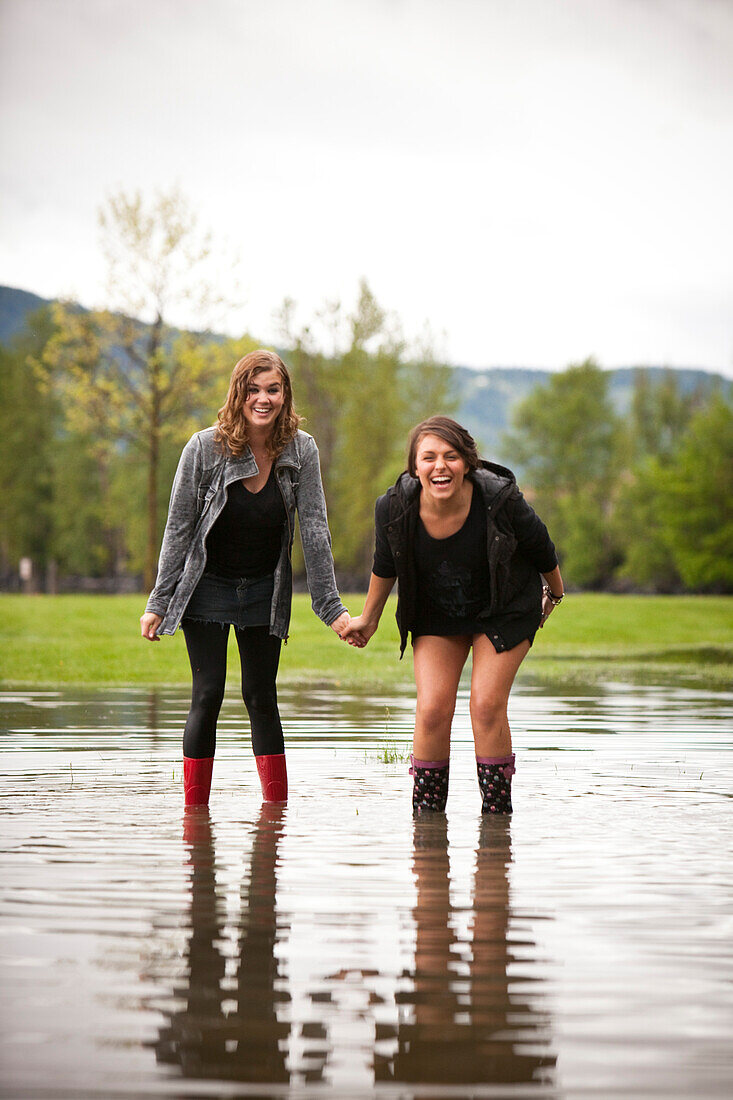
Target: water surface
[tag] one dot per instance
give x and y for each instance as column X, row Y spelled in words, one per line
column 334, row 947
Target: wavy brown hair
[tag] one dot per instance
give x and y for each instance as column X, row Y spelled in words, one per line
column 231, row 431
column 451, row 432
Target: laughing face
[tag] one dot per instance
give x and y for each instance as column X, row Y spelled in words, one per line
column 440, row 468
column 265, row 399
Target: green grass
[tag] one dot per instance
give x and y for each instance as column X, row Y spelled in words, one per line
column 48, row 640
column 643, row 639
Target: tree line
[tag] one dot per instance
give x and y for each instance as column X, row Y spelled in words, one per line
column 95, row 407
column 641, row 501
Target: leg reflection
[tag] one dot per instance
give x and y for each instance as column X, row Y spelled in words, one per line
column 461, row 1023
column 256, row 1038
column 511, row 1036
column 430, row 1011
column 194, row 1038
column 228, row 1028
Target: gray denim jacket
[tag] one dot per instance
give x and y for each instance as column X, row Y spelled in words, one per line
column 199, row 493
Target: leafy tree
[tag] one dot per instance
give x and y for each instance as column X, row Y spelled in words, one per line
column 696, row 500
column 127, row 379
column 317, row 380
column 646, row 558
column 29, row 420
column 564, row 437
column 360, row 395
column 88, row 538
column 659, row 415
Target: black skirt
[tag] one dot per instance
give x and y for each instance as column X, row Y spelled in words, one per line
column 465, row 627
column 239, row 601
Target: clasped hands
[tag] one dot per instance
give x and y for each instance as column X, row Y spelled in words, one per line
column 353, row 630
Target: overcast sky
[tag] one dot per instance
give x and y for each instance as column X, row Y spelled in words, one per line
column 539, row 180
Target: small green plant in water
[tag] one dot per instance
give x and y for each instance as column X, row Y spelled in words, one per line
column 392, row 753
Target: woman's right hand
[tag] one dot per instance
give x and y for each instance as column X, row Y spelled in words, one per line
column 149, row 623
column 361, row 627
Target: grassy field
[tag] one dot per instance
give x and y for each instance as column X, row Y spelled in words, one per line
column 48, row 640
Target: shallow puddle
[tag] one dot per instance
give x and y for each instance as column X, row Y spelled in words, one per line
column 333, row 947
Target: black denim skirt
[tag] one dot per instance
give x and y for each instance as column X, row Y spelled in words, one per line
column 240, row 601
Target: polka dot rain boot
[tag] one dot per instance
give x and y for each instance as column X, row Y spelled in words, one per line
column 495, row 781
column 430, row 785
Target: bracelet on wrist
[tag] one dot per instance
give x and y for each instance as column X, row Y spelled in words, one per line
column 554, row 600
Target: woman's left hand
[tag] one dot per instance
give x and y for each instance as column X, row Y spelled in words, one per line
column 547, row 609
column 552, row 582
column 548, row 604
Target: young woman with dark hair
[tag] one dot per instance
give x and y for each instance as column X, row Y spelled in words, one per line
column 476, row 570
column 225, row 561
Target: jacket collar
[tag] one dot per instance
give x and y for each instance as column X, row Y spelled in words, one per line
column 289, row 455
column 246, row 466
column 494, row 481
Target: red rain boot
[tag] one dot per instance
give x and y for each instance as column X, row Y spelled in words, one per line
column 197, row 780
column 273, row 777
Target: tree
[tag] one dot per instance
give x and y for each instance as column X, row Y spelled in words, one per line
column 659, row 415
column 360, row 397
column 29, row 420
column 696, row 500
column 317, row 380
column 647, row 560
column 126, row 377
column 563, row 438
column 649, row 437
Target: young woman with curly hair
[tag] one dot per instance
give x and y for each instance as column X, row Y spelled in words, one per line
column 225, row 561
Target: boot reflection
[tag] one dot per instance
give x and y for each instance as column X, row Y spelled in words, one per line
column 462, row 1022
column 228, row 1029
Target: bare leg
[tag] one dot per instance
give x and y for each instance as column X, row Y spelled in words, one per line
column 438, row 663
column 492, row 678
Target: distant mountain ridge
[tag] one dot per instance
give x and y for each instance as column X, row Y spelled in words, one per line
column 486, row 396
column 15, row 305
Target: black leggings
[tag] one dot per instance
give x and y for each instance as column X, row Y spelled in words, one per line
column 259, row 654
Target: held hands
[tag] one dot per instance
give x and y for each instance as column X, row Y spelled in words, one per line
column 344, row 627
column 149, row 623
column 359, row 631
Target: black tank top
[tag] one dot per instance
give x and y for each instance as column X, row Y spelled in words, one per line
column 246, row 538
column 452, row 576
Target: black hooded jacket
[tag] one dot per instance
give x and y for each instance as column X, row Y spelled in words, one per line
column 519, row 548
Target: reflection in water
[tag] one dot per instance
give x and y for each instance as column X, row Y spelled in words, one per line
column 457, row 1019
column 229, row 1029
column 339, row 949
column 463, row 1022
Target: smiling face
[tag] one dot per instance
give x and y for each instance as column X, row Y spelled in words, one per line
column 265, row 398
column 440, row 468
